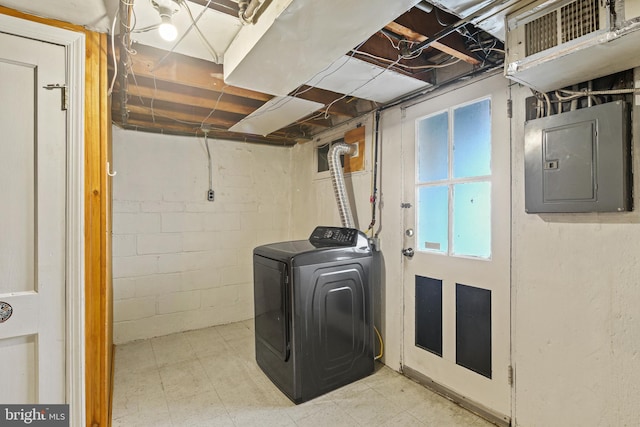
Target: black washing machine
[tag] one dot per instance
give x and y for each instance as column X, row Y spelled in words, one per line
column 313, row 311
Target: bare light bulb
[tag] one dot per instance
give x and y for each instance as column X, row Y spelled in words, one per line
column 167, row 30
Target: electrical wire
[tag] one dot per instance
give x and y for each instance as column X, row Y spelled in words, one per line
column 204, row 9
column 145, row 29
column 326, row 113
column 396, row 47
column 437, row 13
column 492, row 49
column 203, row 39
column 587, row 92
column 283, row 101
column 113, row 51
column 206, row 144
column 379, row 356
column 410, row 67
column 215, row 107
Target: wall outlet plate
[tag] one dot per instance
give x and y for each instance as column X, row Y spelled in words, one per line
column 210, row 195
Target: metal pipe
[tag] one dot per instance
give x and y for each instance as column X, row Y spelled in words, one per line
column 337, row 179
column 374, row 196
column 247, row 10
column 424, row 6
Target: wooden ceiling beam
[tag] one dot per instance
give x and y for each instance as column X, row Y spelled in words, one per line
column 326, row 97
column 193, row 120
column 416, row 25
column 178, row 129
column 187, row 71
column 190, row 119
column 209, row 102
column 411, row 35
column 227, row 7
column 320, row 122
column 379, row 46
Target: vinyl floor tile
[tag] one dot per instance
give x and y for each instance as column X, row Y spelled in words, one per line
column 209, row 378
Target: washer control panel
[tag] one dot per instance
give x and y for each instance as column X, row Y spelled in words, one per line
column 334, row 236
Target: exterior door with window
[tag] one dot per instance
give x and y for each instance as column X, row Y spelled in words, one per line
column 456, row 286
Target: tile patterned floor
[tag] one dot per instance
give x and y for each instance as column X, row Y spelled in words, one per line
column 209, row 377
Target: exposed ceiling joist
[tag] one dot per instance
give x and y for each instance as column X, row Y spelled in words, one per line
column 228, row 7
column 170, row 92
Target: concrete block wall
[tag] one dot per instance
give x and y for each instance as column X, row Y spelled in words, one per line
column 179, row 261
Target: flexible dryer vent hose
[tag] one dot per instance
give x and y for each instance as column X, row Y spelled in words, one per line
column 337, row 178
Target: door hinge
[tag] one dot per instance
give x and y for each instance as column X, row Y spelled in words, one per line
column 63, row 94
column 510, row 374
column 509, row 108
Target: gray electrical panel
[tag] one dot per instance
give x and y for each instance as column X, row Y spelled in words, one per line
column 578, row 161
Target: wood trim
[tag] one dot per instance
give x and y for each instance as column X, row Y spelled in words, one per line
column 98, row 296
column 417, row 37
column 355, row 136
column 41, row 20
column 98, row 286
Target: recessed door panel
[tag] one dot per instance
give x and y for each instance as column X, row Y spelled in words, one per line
column 33, row 153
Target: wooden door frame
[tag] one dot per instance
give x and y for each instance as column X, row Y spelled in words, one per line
column 88, row 263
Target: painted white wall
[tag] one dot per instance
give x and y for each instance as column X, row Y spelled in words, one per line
column 390, row 233
column 575, row 295
column 574, row 277
column 575, row 302
column 179, row 261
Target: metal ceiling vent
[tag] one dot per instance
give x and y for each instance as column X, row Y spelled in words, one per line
column 555, row 43
column 576, row 19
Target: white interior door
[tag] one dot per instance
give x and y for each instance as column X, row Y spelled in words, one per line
column 32, row 221
column 456, row 286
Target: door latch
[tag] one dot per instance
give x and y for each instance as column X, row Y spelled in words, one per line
column 63, row 93
column 408, row 252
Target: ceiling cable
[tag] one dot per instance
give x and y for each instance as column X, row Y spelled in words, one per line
column 481, row 14
column 216, row 57
column 210, row 192
column 206, row 7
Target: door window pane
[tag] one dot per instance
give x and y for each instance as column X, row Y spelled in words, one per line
column 433, row 221
column 433, row 148
column 472, row 219
column 472, row 140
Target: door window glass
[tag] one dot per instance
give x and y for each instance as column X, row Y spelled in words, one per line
column 453, row 181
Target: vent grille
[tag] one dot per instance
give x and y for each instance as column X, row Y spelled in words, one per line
column 574, row 20
column 579, row 18
column 541, row 33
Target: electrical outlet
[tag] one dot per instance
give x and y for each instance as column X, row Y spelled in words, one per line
column 210, row 195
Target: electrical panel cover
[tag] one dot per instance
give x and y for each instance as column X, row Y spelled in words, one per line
column 578, row 161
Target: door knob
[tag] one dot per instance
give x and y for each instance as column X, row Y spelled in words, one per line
column 408, row 252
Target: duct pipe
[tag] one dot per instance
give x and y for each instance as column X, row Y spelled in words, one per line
column 424, row 6
column 337, row 178
column 247, row 10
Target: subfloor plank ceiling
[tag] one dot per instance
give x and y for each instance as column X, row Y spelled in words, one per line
column 179, row 88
